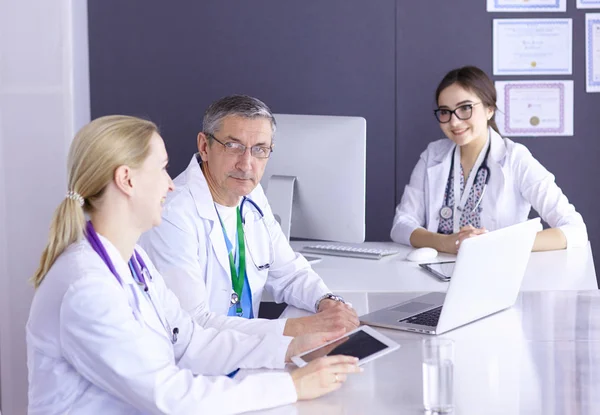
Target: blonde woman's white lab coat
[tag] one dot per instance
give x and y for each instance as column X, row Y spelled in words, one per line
column 517, row 183
column 96, row 347
column 190, row 251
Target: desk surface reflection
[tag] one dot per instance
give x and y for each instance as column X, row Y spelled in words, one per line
column 540, row 357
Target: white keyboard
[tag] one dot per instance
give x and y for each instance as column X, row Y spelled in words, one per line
column 348, row 251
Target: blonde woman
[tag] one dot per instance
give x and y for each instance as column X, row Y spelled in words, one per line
column 106, row 336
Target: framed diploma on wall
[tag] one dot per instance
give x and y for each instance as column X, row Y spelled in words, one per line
column 592, row 52
column 588, row 4
column 535, row 108
column 533, row 46
column 526, row 5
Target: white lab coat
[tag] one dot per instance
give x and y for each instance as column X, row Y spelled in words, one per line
column 96, row 347
column 190, row 251
column 517, row 182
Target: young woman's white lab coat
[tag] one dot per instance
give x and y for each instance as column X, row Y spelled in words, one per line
column 96, row 347
column 189, row 249
column 517, row 183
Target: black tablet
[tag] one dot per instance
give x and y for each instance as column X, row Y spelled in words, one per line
column 364, row 342
column 441, row 270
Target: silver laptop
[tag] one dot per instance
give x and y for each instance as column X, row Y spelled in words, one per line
column 487, row 277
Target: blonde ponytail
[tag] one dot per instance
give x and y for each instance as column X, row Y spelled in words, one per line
column 97, row 150
column 66, row 227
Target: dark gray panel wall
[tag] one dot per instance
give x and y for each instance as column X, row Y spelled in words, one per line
column 435, row 37
column 169, row 62
column 337, row 57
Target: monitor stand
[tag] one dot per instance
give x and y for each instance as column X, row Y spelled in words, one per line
column 280, row 194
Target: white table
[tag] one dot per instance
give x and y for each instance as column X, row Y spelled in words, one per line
column 354, row 278
column 540, row 357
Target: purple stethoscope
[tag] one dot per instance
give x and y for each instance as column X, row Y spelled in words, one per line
column 138, row 267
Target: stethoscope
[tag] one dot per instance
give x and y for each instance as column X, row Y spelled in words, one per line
column 446, row 212
column 138, row 267
column 245, row 199
column 260, row 266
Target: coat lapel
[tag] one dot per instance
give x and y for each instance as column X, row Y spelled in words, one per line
column 257, row 247
column 141, row 306
column 490, row 205
column 437, row 176
column 207, row 211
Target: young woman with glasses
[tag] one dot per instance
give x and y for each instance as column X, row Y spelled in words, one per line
column 476, row 181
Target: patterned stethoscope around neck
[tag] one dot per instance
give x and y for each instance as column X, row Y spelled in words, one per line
column 446, row 212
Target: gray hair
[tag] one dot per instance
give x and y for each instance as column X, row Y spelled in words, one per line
column 238, row 105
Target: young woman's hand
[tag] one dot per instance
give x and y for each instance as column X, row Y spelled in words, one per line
column 451, row 243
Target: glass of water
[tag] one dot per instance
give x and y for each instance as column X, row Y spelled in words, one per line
column 438, row 375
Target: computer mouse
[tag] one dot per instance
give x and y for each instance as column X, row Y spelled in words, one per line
column 422, row 254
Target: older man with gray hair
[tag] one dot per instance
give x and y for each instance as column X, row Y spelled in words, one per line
column 219, row 246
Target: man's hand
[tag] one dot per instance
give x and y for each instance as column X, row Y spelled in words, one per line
column 328, row 303
column 332, row 316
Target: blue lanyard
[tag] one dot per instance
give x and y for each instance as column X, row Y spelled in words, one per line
column 238, row 273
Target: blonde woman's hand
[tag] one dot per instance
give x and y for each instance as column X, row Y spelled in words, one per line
column 323, row 375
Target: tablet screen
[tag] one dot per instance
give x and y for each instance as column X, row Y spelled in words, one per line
column 358, row 344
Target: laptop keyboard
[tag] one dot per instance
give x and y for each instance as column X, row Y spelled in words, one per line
column 426, row 318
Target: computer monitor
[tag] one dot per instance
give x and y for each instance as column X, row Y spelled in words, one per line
column 315, row 178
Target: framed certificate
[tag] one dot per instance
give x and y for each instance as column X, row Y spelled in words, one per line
column 533, row 46
column 588, row 4
column 592, row 52
column 536, row 108
column 526, row 5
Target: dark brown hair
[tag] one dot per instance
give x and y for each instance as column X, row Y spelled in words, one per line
column 476, row 81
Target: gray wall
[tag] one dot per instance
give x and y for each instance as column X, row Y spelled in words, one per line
column 432, row 40
column 379, row 59
column 307, row 57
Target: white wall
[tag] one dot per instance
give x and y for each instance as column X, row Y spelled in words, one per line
column 3, row 267
column 44, row 99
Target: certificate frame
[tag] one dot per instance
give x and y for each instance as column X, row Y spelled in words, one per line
column 564, row 106
column 592, row 23
column 588, row 4
column 526, row 6
column 504, row 62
